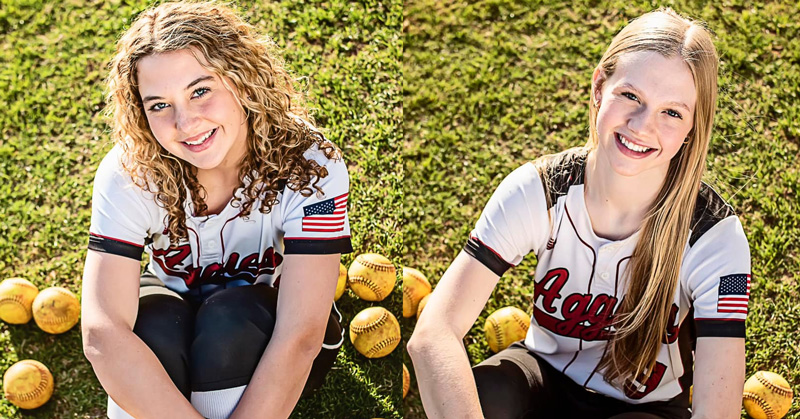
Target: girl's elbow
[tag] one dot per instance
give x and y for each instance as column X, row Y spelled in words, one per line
column 422, row 340
column 307, row 343
column 98, row 341
column 95, row 341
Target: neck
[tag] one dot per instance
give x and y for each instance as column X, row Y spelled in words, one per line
column 220, row 177
column 617, row 204
column 219, row 186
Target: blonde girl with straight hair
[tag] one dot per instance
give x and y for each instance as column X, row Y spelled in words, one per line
column 643, row 271
column 219, row 174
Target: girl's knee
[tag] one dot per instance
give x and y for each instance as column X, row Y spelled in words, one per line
column 232, row 329
column 502, row 390
column 164, row 322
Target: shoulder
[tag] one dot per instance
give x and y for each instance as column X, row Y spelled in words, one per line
column 325, row 153
column 709, row 212
column 561, row 171
column 111, row 163
column 113, row 181
column 111, row 172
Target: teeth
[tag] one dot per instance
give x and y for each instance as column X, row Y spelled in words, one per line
column 200, row 141
column 631, row 146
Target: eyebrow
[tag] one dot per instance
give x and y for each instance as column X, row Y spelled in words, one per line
column 671, row 103
column 189, row 86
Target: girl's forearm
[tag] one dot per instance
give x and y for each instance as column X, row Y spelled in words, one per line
column 133, row 376
column 279, row 378
column 444, row 376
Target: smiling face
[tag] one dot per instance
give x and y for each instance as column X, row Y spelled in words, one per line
column 191, row 112
column 646, row 111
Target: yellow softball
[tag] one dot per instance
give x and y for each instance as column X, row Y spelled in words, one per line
column 767, row 396
column 16, row 299
column 406, row 381
column 422, row 304
column 371, row 277
column 375, row 332
column 342, row 284
column 28, row 384
column 415, row 288
column 56, row 310
column 506, row 326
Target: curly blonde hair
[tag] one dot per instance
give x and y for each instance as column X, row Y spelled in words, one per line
column 279, row 129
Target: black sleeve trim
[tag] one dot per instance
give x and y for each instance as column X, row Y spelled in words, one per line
column 488, row 257
column 317, row 247
column 720, row 328
column 115, row 247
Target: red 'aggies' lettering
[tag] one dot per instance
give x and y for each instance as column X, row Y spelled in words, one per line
column 559, row 277
column 176, row 261
column 636, row 391
column 584, row 316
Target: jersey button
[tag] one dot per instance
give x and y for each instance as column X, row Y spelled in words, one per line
column 604, row 275
column 211, row 243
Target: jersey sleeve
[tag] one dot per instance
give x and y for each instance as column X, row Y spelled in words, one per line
column 513, row 223
column 121, row 218
column 717, row 272
column 318, row 224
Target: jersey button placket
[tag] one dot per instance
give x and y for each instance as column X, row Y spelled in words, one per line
column 208, row 240
column 602, row 258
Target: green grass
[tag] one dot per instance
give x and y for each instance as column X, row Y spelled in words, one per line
column 52, row 65
column 489, row 85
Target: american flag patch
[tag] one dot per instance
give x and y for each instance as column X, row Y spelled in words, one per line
column 326, row 216
column 734, row 292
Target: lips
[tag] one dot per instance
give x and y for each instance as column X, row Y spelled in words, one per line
column 201, row 142
column 630, row 148
column 198, row 141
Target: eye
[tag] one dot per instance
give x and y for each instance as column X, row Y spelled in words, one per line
column 630, row 96
column 201, row 91
column 673, row 114
column 158, row 106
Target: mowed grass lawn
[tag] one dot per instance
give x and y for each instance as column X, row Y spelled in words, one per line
column 52, row 66
column 489, row 85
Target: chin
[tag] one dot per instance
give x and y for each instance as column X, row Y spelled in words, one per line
column 205, row 164
column 628, row 171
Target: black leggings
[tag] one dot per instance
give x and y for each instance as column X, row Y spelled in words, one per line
column 218, row 345
column 515, row 384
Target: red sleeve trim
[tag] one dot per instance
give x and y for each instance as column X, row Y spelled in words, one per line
column 317, row 238
column 490, row 249
column 116, row 240
column 487, row 256
column 723, row 320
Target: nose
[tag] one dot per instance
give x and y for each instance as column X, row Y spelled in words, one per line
column 642, row 121
column 186, row 120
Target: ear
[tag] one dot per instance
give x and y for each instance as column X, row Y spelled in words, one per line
column 598, row 79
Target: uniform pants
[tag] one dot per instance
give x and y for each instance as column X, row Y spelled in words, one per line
column 218, row 343
column 515, row 383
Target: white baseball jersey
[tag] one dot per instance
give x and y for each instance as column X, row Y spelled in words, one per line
column 222, row 250
column 581, row 278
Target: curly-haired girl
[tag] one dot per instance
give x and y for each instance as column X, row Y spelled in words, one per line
column 218, row 173
column 640, row 264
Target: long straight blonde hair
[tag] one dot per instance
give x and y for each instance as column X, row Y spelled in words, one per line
column 641, row 320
